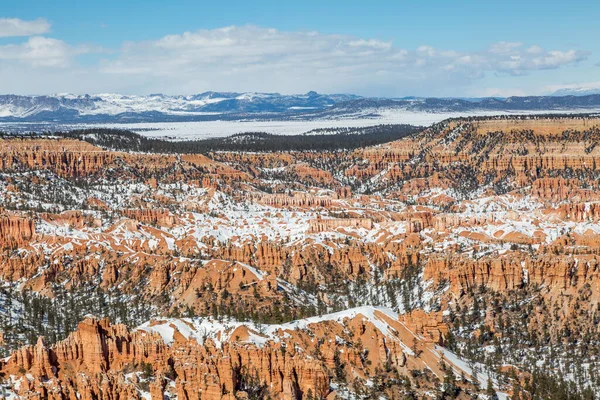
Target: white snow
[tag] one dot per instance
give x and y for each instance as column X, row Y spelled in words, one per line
column 365, row 118
column 202, row 328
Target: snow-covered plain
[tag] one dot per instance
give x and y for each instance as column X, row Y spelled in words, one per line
column 216, row 129
column 365, row 118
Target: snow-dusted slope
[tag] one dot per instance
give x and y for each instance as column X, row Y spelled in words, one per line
column 67, row 106
column 578, row 90
column 202, row 328
column 211, row 106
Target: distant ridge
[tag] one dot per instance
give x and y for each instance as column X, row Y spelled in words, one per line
column 577, row 91
column 117, row 108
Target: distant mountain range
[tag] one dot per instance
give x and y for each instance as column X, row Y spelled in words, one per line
column 577, row 91
column 107, row 108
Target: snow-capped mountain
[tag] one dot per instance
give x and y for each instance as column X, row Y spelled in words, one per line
column 66, row 107
column 577, row 91
column 210, row 106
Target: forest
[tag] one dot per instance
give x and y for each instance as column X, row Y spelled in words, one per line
column 349, row 138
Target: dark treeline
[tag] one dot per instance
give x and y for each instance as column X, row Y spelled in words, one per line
column 523, row 117
column 25, row 316
column 350, row 138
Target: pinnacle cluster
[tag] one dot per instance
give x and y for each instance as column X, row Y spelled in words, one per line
column 461, row 261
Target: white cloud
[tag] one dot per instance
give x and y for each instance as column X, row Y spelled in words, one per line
column 40, row 51
column 376, row 44
column 499, row 92
column 18, row 27
column 504, row 48
column 250, row 58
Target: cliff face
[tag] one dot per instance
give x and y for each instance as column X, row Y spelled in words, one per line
column 64, row 157
column 332, row 224
column 15, row 231
column 559, row 275
column 295, row 200
column 284, row 361
column 531, row 154
column 152, row 217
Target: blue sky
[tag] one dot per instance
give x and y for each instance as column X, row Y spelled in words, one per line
column 381, row 48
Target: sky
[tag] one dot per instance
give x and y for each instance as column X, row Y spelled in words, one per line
column 376, row 48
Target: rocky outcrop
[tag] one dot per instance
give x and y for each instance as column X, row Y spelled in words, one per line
column 524, row 156
column 15, row 231
column 429, row 325
column 504, row 274
column 311, row 174
column 576, row 212
column 500, row 274
column 151, row 216
column 101, row 360
column 332, row 224
column 294, row 200
column 65, row 157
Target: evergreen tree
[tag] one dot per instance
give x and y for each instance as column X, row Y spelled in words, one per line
column 490, row 391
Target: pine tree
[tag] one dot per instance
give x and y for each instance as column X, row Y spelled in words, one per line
column 490, row 391
column 451, row 390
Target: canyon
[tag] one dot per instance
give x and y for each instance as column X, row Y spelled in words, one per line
column 461, row 261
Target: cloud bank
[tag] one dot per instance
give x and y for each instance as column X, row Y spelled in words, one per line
column 247, row 58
